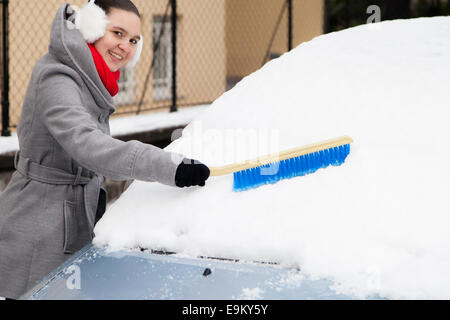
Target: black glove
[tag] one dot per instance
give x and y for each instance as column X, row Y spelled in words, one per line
column 191, row 173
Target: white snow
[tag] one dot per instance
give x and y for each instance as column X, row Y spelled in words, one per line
column 9, row 144
column 154, row 120
column 378, row 224
column 251, row 294
column 129, row 124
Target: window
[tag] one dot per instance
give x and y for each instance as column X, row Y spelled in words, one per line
column 126, row 86
column 162, row 69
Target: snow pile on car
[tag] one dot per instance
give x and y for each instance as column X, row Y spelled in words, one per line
column 378, row 224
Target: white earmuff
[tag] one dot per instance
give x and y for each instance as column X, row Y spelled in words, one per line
column 137, row 55
column 91, row 20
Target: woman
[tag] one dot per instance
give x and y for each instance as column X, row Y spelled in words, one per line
column 50, row 207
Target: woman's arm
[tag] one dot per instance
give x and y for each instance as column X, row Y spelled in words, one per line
column 69, row 122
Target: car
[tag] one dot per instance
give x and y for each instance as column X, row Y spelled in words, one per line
column 373, row 228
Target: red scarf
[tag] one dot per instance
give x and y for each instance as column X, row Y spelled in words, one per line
column 108, row 77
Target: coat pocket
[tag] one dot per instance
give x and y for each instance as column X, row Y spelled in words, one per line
column 70, row 227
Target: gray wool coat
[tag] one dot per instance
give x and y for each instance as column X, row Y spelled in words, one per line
column 47, row 212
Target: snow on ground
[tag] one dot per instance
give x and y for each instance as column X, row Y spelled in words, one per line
column 129, row 124
column 154, row 120
column 378, row 224
column 9, row 144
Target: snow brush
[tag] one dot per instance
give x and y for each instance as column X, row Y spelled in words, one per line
column 287, row 164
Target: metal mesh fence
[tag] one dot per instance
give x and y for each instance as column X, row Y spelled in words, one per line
column 4, row 114
column 218, row 43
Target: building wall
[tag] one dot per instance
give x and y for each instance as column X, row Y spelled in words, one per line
column 250, row 25
column 202, row 51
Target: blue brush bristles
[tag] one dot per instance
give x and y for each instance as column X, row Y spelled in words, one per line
column 289, row 168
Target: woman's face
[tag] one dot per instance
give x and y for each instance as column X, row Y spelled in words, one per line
column 119, row 43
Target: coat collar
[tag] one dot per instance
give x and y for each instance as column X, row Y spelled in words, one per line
column 69, row 47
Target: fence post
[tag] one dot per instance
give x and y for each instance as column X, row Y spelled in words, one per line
column 5, row 75
column 173, row 108
column 289, row 25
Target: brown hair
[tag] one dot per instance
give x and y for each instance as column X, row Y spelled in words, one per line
column 126, row 5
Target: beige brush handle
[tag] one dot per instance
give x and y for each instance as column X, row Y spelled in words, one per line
column 291, row 153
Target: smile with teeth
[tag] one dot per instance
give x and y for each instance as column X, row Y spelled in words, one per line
column 116, row 56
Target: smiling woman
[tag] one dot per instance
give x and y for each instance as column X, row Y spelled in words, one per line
column 54, row 199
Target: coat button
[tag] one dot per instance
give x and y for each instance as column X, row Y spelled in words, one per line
column 101, row 118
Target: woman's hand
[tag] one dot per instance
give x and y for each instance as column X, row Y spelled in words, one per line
column 191, row 172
